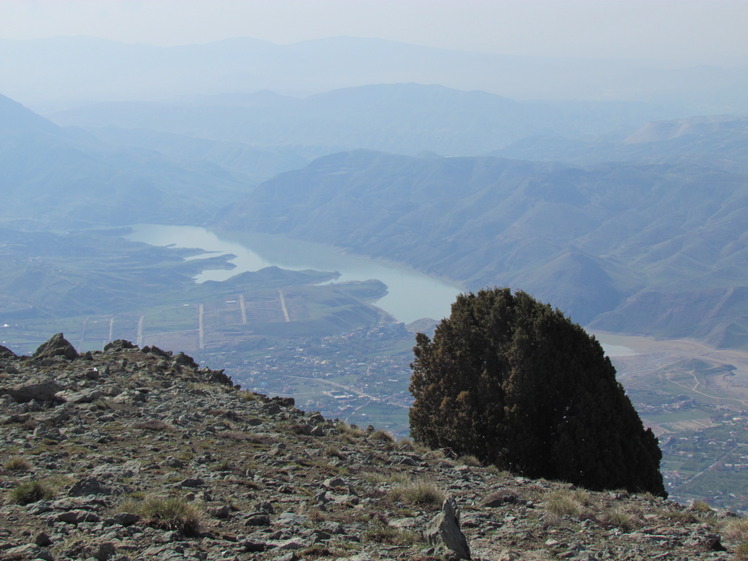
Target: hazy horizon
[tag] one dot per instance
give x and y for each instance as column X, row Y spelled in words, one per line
column 694, row 32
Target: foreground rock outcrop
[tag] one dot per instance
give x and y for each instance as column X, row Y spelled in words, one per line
column 134, row 453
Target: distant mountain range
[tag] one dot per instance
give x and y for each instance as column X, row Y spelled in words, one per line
column 642, row 232
column 648, row 248
column 50, row 174
column 718, row 139
column 73, row 69
column 402, row 118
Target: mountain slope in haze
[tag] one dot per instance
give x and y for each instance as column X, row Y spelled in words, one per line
column 254, row 164
column 404, row 118
column 14, row 117
column 50, row 174
column 590, row 240
column 717, row 140
column 65, row 69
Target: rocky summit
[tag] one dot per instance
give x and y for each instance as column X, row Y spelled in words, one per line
column 133, row 453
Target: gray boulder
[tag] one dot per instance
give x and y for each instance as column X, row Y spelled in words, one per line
column 57, row 346
column 445, row 529
column 42, row 391
column 89, row 486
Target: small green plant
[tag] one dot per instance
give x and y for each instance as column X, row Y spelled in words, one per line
column 223, row 465
column 18, row 464
column 184, row 455
column 30, row 492
column 419, row 491
column 496, row 470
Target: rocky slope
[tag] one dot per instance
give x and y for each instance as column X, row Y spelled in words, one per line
column 140, row 454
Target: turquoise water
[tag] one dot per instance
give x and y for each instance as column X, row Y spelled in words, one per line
column 411, row 295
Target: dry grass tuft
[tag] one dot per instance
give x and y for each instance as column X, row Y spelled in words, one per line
column 384, row 534
column 736, row 530
column 701, row 506
column 18, row 464
column 418, row 491
column 333, row 452
column 626, row 521
column 381, row 436
column 350, row 433
column 679, row 516
column 563, row 503
column 469, row 460
column 30, row 492
column 167, row 513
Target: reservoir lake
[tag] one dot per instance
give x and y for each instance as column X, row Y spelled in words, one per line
column 411, row 295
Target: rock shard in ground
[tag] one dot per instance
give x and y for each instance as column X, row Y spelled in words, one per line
column 445, row 528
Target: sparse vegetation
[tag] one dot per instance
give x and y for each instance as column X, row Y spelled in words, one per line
column 388, row 478
column 223, row 465
column 736, row 530
column 315, row 551
column 470, row 460
column 385, row 534
column 418, row 491
column 701, row 507
column 350, row 432
column 168, row 513
column 626, row 521
column 32, row 491
column 563, row 503
column 381, row 436
column 18, row 464
column 333, row 452
column 680, row 516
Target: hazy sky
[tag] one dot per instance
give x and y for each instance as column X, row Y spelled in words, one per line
column 703, row 30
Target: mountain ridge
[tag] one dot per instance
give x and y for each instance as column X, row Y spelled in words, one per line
column 488, row 221
column 148, row 72
column 404, row 117
column 67, row 176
